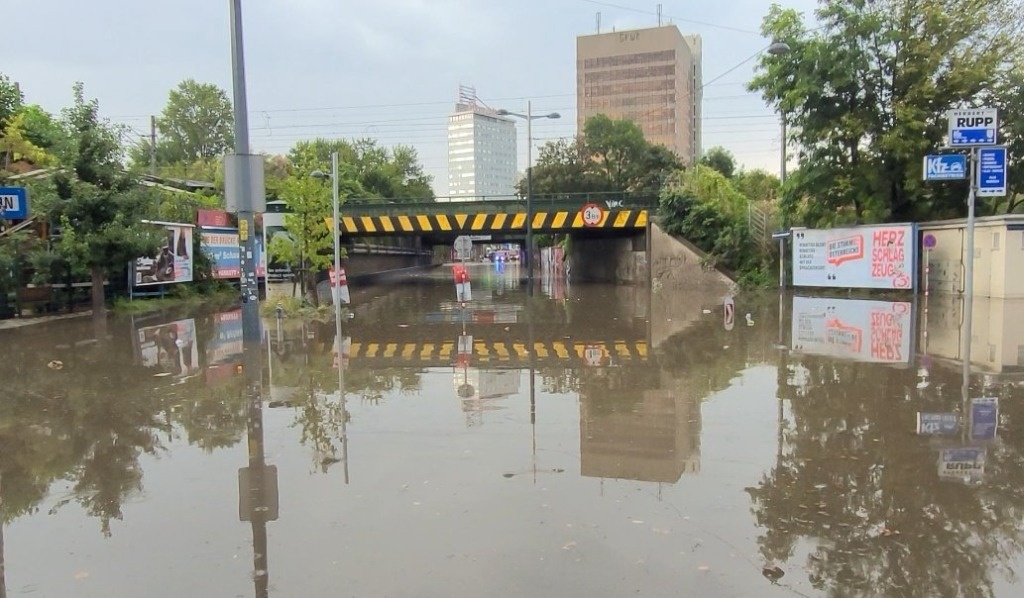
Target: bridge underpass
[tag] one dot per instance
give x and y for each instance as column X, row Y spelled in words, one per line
column 611, row 246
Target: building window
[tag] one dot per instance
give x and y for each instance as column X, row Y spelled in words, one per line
column 995, row 240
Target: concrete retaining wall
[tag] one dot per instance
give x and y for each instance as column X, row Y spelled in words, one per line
column 677, row 264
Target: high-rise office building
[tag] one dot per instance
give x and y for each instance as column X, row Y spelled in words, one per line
column 481, row 150
column 650, row 76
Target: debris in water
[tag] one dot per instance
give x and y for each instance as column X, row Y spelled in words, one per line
column 56, row 364
column 773, row 573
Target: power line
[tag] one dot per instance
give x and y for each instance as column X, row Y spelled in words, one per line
column 680, row 19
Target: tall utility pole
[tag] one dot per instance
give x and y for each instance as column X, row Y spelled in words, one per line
column 244, row 194
column 152, row 145
column 529, row 196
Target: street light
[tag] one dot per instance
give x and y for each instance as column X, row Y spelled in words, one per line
column 336, row 297
column 319, row 174
column 781, row 49
column 529, row 118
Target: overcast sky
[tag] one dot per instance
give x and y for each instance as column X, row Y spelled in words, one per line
column 388, row 69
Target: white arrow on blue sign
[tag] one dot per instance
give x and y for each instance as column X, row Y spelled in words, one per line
column 992, row 171
column 945, row 167
column 972, row 127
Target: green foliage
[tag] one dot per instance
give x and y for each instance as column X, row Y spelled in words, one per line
column 381, row 173
column 704, row 207
column 196, row 124
column 15, row 144
column 41, row 128
column 610, row 156
column 866, row 94
column 721, row 160
column 10, row 100
column 98, row 207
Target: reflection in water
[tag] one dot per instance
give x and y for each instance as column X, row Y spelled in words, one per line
column 862, row 503
column 886, row 478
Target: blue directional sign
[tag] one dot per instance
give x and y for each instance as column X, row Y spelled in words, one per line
column 992, row 171
column 945, row 167
column 973, row 127
column 13, row 203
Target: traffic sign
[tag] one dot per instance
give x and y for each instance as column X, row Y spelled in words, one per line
column 945, row 167
column 973, row 126
column 593, row 355
column 463, row 246
column 929, row 241
column 593, row 214
column 13, row 203
column 992, row 171
column 730, row 313
column 781, row 234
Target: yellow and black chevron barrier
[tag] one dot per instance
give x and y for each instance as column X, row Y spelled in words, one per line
column 557, row 220
column 498, row 351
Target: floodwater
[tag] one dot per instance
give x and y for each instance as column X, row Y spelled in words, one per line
column 644, row 446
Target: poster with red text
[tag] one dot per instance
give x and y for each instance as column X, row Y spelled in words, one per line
column 864, row 257
column 856, row 329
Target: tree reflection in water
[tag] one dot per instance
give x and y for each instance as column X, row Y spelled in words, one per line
column 858, row 492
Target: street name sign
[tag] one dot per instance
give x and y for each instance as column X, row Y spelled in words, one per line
column 945, row 167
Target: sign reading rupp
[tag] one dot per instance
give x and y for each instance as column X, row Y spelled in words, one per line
column 871, row 257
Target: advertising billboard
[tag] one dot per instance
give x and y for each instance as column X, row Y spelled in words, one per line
column 221, row 244
column 857, row 329
column 172, row 262
column 171, row 347
column 864, row 257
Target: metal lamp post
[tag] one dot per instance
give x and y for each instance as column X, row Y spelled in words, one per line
column 781, row 49
column 529, row 118
column 319, row 174
column 336, row 297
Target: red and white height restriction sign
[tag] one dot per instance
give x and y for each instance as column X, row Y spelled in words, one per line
column 592, row 214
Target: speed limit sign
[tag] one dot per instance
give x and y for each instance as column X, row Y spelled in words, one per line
column 593, row 214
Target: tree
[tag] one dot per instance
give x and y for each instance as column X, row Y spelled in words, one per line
column 721, row 160
column 307, row 241
column 15, row 144
column 11, row 99
column 757, row 185
column 563, row 166
column 617, row 147
column 611, row 156
column 1008, row 97
column 98, row 207
column 196, row 123
column 383, row 173
column 704, row 207
column 865, row 96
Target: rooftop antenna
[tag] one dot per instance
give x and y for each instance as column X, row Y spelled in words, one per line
column 659, row 15
column 599, row 21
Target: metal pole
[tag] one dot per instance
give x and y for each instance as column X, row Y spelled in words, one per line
column 3, row 572
column 152, row 145
column 969, row 286
column 529, row 195
column 246, row 216
column 336, row 296
column 782, row 161
column 782, row 181
column 252, row 358
column 337, row 244
column 782, row 263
